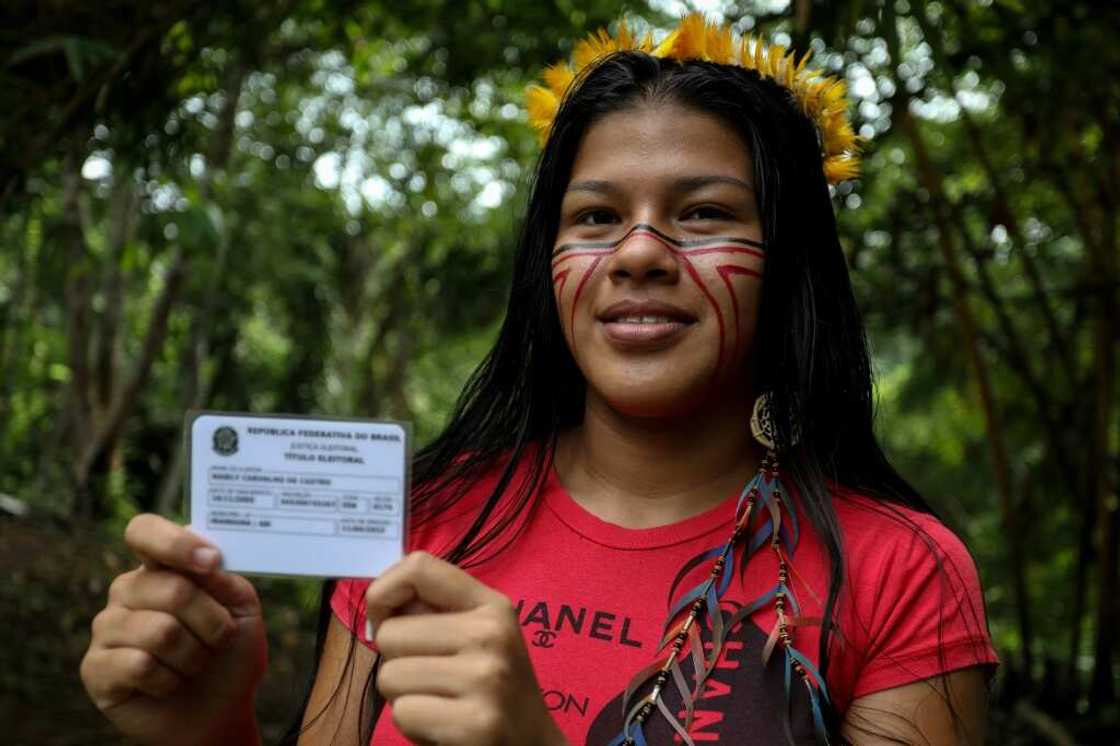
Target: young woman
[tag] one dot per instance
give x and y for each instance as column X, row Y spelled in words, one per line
column 659, row 513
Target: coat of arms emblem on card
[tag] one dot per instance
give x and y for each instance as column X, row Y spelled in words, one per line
column 225, row 441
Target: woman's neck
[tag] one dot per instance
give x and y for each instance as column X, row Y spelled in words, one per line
column 640, row 472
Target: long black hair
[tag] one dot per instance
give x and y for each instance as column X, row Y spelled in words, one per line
column 811, row 352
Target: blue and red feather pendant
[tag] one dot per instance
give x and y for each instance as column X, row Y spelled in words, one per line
column 762, row 502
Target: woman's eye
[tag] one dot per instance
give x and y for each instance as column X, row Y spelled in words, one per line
column 707, row 212
column 596, row 217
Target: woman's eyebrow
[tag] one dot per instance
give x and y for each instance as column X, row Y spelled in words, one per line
column 692, row 183
column 592, row 185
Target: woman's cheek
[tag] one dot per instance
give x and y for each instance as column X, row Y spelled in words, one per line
column 730, row 280
column 571, row 277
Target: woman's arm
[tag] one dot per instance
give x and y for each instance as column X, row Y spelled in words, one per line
column 943, row 711
column 340, row 685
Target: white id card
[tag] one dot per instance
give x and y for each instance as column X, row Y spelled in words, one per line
column 287, row 495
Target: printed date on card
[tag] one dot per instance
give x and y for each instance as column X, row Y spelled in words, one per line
column 285, row 495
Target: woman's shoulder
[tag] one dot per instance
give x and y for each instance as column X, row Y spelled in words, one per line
column 914, row 599
column 913, row 606
column 873, row 527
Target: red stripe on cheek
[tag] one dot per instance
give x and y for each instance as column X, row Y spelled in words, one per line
column 715, row 306
column 725, row 272
column 573, row 254
column 579, row 290
column 558, row 281
column 724, row 250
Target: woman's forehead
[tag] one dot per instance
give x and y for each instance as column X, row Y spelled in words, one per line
column 660, row 142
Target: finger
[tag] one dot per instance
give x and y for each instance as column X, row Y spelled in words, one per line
column 417, row 607
column 444, row 676
column 424, row 634
column 155, row 632
column 233, row 591
column 114, row 675
column 178, row 595
column 160, row 542
column 412, row 607
column 422, row 577
column 447, row 721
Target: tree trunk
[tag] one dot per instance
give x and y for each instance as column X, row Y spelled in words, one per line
column 397, row 379
column 81, row 416
column 1104, row 272
column 369, row 402
column 122, row 223
column 109, row 430
column 172, row 481
column 196, row 384
column 16, row 321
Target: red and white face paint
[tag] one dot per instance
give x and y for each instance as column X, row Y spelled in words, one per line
column 710, row 264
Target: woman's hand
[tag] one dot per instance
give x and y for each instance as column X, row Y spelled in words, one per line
column 177, row 653
column 454, row 664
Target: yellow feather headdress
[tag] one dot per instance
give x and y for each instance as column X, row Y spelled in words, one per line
column 822, row 98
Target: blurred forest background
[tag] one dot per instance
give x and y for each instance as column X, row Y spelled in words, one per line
column 309, row 206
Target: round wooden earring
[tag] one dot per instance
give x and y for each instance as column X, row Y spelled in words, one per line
column 762, row 422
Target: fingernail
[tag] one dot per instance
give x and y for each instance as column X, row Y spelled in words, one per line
column 205, row 558
column 370, row 630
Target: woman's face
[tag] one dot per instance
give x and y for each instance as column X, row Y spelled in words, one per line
column 658, row 261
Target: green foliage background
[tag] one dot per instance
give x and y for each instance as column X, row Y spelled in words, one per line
column 310, row 206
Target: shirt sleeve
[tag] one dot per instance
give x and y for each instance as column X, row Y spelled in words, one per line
column 347, row 604
column 923, row 611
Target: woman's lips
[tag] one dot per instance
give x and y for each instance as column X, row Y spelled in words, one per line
column 642, row 331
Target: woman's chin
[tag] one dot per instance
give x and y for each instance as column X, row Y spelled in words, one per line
column 666, row 402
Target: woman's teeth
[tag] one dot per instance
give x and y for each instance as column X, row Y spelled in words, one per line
column 644, row 320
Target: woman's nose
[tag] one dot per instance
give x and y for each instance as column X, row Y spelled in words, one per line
column 643, row 256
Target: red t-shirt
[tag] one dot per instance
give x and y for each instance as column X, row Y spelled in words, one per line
column 592, row 600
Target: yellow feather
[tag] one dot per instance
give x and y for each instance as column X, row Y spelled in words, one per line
column 542, row 105
column 721, row 46
column 804, row 60
column 691, row 44
column 592, row 49
column 742, row 52
column 625, row 38
column 665, row 48
column 840, row 168
column 813, row 102
column 789, row 71
column 773, row 58
column 806, row 96
column 583, row 55
column 558, row 77
column 834, row 94
column 840, row 137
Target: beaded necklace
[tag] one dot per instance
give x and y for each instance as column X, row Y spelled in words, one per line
column 763, row 496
